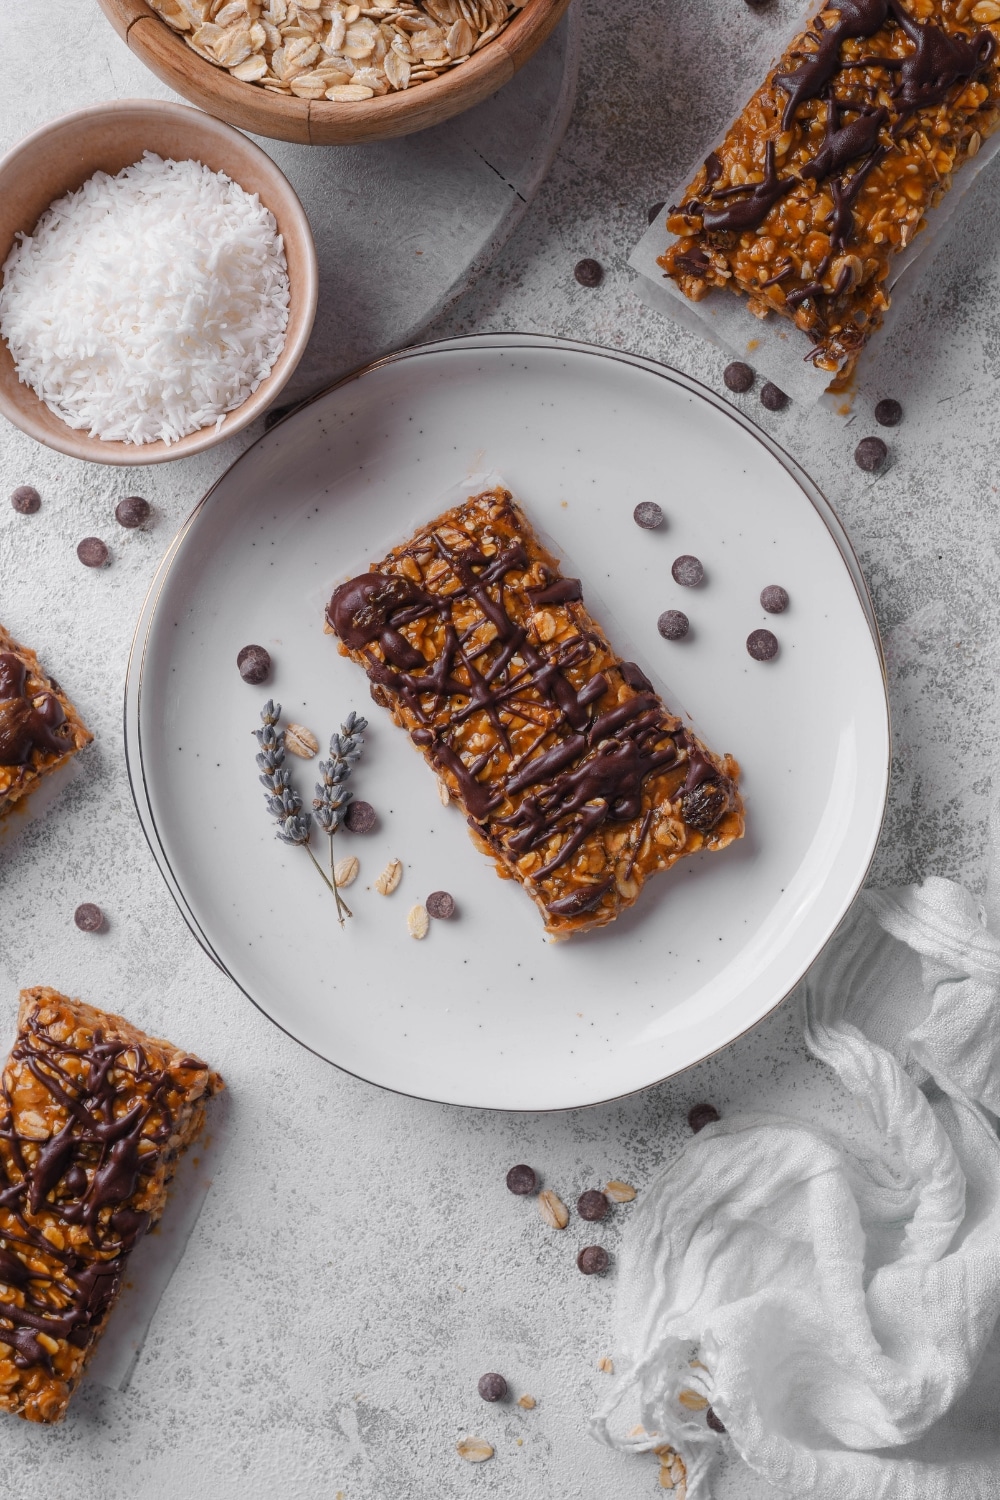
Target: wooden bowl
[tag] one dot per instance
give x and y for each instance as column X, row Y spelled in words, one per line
column 61, row 156
column 320, row 122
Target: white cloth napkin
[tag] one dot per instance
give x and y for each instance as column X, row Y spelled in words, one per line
column 832, row 1289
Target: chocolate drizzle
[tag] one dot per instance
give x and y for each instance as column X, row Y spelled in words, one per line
column 584, row 768
column 939, row 62
column 79, row 1176
column 27, row 723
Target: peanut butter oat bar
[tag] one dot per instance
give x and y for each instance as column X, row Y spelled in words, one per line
column 40, row 729
column 832, row 166
column 93, row 1117
column 573, row 776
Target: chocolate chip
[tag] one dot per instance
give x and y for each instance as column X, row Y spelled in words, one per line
column 687, row 571
column 774, row 599
column 592, row 1205
column 636, row 677
column 589, row 272
column 254, row 664
column 75, row 1182
column 360, row 817
column 870, row 454
column 673, row 624
column 773, row 397
column 88, row 917
column 133, row 511
column 888, row 413
column 92, row 552
column 714, row 1422
column 492, row 1387
column 593, row 1260
column 655, row 209
column 738, row 377
column 522, row 1180
column 648, row 515
column 440, row 904
column 26, row 499
column 762, row 645
column 700, row 1115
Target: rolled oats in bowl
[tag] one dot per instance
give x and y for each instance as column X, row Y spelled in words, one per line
column 311, row 49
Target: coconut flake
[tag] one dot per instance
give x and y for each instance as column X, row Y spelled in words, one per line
column 146, row 306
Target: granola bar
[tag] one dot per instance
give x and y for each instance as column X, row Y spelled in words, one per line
column 573, row 776
column 40, row 730
column 94, row 1117
column 834, row 163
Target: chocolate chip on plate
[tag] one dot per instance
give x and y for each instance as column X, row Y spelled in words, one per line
column 360, row 817
column 522, row 1180
column 492, row 1387
column 92, row 552
column 700, row 1115
column 440, row 904
column 133, row 511
column 716, row 1424
column 774, row 599
column 673, row 624
column 888, row 413
column 593, row 1260
column 254, row 664
column 648, row 515
column 592, row 1205
column 687, row 571
column 88, row 917
column 762, row 645
column 773, row 397
column 739, row 377
column 870, row 454
column 589, row 272
column 25, row 499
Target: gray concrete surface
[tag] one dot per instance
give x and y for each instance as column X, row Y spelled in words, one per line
column 358, row 1263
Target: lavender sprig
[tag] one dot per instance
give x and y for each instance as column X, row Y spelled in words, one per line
column 281, row 799
column 332, row 793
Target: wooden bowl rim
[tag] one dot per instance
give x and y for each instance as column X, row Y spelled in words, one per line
column 76, row 442
column 499, row 59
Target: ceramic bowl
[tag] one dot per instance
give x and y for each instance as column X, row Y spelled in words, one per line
column 63, row 155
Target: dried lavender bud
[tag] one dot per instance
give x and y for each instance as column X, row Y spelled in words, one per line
column 648, row 515
column 25, row 499
column 593, row 1260
column 440, row 904
column 687, row 571
column 673, row 624
column 588, row 272
column 738, row 377
column 762, row 645
column 133, row 511
column 254, row 664
column 92, row 552
column 592, row 1205
column 888, row 413
column 654, row 210
column 360, row 817
column 522, row 1180
column 492, row 1387
column 772, row 397
column 774, row 599
column 714, row 1422
column 88, row 917
column 870, row 454
column 700, row 1115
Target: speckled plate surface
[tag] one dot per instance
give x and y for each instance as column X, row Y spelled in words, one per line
column 485, row 1011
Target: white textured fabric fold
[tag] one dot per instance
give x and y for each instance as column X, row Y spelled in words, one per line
column 833, row 1291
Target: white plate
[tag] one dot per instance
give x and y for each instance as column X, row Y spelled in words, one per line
column 485, row 1011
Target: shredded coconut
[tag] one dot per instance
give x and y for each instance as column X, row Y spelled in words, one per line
column 146, row 306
